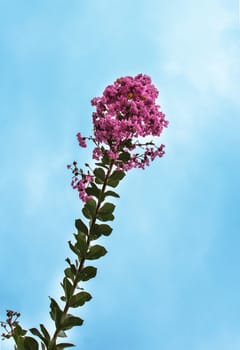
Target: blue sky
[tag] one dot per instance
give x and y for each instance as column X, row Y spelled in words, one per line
column 171, row 277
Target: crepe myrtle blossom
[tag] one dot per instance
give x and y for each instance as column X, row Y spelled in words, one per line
column 81, row 185
column 126, row 120
column 80, row 181
column 125, row 113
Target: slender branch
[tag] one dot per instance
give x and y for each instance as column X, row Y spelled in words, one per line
column 82, row 261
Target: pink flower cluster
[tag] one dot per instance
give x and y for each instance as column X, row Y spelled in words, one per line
column 142, row 160
column 126, row 111
column 80, row 184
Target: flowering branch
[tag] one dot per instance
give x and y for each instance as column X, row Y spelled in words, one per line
column 126, row 111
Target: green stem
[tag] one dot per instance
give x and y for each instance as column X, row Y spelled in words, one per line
column 82, row 261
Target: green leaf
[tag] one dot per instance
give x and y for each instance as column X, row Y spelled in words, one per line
column 36, row 332
column 103, row 229
column 105, row 212
column 89, row 209
column 94, row 234
column 115, row 178
column 73, row 268
column 73, row 248
column 124, row 156
column 105, row 217
column 43, row 346
column 68, row 273
column 55, row 312
column 105, row 158
column 107, row 208
column 45, row 332
column 93, row 191
column 30, row 343
column 100, row 175
column 87, row 273
column 19, row 331
column 111, row 193
column 81, row 244
column 128, row 143
column 68, row 261
column 80, row 226
column 96, row 252
column 64, row 345
column 98, row 230
column 71, row 321
column 68, row 287
column 86, row 213
column 19, row 341
column 79, row 299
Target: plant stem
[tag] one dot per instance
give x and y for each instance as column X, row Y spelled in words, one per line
column 82, row 261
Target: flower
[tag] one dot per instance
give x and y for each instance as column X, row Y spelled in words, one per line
column 81, row 185
column 126, row 111
column 81, row 140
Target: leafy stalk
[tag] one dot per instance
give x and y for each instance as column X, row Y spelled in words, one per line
column 95, row 209
column 89, row 253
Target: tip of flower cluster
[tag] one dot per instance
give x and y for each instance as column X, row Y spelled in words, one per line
column 81, row 140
